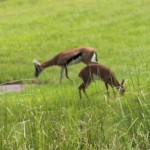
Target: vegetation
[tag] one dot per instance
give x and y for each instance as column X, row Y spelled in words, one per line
column 50, row 115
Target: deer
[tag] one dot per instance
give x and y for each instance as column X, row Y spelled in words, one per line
column 63, row 59
column 99, row 72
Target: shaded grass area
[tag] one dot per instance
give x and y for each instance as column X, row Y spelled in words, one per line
column 32, row 29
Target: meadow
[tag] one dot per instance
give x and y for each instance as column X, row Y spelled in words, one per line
column 51, row 115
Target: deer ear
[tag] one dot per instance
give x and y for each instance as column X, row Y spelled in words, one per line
column 36, row 63
column 122, row 83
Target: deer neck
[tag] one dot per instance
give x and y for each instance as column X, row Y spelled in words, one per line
column 116, row 83
column 48, row 64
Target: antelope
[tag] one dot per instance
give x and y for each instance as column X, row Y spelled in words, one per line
column 86, row 55
column 100, row 72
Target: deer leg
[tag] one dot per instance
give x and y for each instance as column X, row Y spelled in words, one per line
column 66, row 71
column 82, row 87
column 106, row 85
column 80, row 94
column 61, row 73
column 85, row 93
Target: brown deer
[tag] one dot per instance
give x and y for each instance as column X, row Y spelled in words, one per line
column 86, row 55
column 100, row 72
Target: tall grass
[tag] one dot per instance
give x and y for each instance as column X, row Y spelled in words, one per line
column 53, row 117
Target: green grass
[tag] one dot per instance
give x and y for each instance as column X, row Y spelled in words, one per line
column 51, row 116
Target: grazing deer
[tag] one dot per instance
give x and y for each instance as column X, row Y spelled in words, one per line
column 86, row 55
column 97, row 71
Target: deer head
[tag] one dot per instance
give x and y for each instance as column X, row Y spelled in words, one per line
column 38, row 68
column 122, row 88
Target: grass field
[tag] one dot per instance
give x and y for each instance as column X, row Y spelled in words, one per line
column 51, row 116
